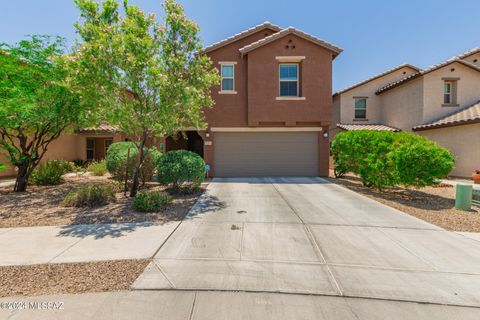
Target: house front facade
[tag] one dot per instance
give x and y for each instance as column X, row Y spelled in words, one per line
column 439, row 102
column 271, row 115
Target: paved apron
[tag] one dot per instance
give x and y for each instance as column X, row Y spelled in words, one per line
column 308, row 236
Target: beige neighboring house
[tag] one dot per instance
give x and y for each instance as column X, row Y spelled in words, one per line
column 440, row 103
column 88, row 144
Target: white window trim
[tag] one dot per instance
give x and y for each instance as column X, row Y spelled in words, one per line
column 232, row 64
column 280, row 81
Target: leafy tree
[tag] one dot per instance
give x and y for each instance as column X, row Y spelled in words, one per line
column 148, row 76
column 37, row 102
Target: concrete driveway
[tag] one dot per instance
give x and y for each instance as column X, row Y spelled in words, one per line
column 308, row 236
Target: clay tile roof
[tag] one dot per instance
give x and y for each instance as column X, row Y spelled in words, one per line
column 467, row 115
column 455, row 59
column 379, row 76
column 104, row 127
column 241, row 35
column 290, row 30
column 376, row 127
column 467, row 53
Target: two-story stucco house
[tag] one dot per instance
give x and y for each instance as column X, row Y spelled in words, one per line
column 272, row 109
column 440, row 102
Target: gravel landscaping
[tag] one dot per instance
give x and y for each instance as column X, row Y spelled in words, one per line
column 42, row 206
column 435, row 204
column 70, row 277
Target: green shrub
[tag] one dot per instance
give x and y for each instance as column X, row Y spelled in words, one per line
column 51, row 172
column 116, row 161
column 97, row 168
column 181, row 168
column 91, row 195
column 151, row 201
column 2, row 167
column 383, row 158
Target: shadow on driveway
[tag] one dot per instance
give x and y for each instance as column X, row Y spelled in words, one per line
column 100, row 231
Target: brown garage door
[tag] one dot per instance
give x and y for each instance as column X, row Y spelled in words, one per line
column 243, row 154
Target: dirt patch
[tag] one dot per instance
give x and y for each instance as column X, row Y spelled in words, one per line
column 434, row 204
column 42, row 206
column 70, row 277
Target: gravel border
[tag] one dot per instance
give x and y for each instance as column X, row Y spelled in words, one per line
column 44, row 279
column 435, row 205
column 42, row 206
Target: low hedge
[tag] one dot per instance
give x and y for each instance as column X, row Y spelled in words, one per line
column 51, row 172
column 181, row 169
column 116, row 161
column 151, row 201
column 383, row 158
column 91, row 195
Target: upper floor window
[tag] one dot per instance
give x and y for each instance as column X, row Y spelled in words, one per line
column 228, row 77
column 360, row 108
column 450, row 92
column 289, row 80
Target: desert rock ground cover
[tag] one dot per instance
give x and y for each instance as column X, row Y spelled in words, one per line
column 434, row 204
column 42, row 206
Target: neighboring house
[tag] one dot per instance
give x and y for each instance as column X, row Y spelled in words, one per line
column 89, row 144
column 272, row 110
column 439, row 102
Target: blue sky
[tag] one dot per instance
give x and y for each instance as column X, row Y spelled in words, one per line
column 375, row 35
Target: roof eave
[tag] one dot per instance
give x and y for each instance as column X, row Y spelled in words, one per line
column 446, row 125
column 239, row 36
column 283, row 33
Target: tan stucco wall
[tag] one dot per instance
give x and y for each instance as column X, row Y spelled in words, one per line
column 472, row 59
column 463, row 142
column 402, row 106
column 468, row 90
column 374, row 102
column 68, row 147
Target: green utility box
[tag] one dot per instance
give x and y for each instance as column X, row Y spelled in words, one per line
column 463, row 198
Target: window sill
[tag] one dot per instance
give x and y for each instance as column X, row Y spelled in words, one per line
column 290, row 98
column 450, row 105
column 227, row 92
column 359, row 119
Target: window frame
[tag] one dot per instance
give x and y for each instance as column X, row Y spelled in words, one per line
column 449, row 94
column 227, row 64
column 92, row 149
column 105, row 144
column 280, row 79
column 363, row 109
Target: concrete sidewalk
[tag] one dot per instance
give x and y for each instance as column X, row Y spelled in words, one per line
column 308, row 236
column 204, row 305
column 82, row 243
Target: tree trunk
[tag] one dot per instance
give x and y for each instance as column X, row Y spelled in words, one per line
column 136, row 171
column 22, row 178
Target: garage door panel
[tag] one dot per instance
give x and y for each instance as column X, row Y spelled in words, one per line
column 266, row 154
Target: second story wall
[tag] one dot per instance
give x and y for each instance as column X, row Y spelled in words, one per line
column 402, row 106
column 373, row 102
column 466, row 92
column 312, row 107
column 230, row 110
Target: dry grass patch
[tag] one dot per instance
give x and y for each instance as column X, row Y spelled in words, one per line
column 42, row 206
column 46, row 279
column 435, row 204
